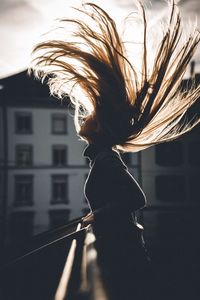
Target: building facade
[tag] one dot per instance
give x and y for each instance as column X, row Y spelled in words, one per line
column 43, row 173
column 42, row 170
column 170, row 179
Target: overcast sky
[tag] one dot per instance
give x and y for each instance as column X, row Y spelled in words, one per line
column 23, row 21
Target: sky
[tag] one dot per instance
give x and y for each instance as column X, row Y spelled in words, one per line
column 22, row 22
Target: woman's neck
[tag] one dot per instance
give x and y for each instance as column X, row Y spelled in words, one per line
column 93, row 149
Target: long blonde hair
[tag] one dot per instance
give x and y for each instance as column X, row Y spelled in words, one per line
column 133, row 112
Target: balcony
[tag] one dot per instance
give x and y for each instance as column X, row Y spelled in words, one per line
column 62, row 264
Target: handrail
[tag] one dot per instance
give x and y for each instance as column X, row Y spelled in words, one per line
column 93, row 282
column 62, row 289
column 81, row 276
column 90, row 284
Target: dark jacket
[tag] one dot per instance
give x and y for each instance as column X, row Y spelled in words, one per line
column 114, row 196
column 110, row 189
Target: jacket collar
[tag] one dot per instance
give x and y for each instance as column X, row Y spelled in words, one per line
column 92, row 150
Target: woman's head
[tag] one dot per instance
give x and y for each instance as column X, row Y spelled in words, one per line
column 89, row 129
column 92, row 133
column 116, row 105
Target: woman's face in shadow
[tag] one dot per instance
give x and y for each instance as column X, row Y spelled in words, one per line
column 89, row 128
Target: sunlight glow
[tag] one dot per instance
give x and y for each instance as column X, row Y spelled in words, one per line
column 22, row 24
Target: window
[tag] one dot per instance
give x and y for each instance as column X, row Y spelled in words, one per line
column 170, row 188
column 59, row 155
column 22, row 225
column 23, row 190
column 193, row 152
column 24, row 155
column 59, row 217
column 59, row 189
column 169, row 154
column 59, row 123
column 23, row 122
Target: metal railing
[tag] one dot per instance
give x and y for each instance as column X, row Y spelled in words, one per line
column 76, row 276
column 81, row 277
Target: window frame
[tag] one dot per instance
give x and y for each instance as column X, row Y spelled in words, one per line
column 63, row 200
column 17, row 149
column 30, row 202
column 21, row 114
column 62, row 147
column 62, row 116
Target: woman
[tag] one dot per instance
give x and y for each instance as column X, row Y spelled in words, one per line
column 120, row 108
column 114, row 196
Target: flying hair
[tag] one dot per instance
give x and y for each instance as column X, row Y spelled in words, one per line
column 133, row 110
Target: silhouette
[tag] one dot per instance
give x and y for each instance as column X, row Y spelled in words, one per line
column 120, row 109
column 113, row 194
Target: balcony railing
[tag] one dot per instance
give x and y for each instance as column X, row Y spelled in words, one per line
column 62, row 265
